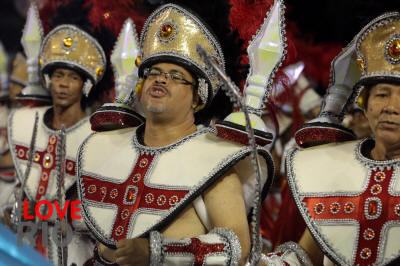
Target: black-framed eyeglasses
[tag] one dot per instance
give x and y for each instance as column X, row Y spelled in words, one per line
column 177, row 77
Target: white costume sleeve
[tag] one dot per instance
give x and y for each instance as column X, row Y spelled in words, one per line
column 220, row 246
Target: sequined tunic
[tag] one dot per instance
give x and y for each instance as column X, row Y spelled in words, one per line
column 351, row 204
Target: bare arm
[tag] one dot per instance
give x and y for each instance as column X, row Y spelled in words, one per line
column 308, row 244
column 225, row 206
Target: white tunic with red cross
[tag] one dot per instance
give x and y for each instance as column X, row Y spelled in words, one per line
column 42, row 180
column 41, row 183
column 128, row 189
column 351, row 204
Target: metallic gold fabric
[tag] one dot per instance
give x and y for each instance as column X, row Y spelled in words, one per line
column 373, row 48
column 189, row 34
column 378, row 49
column 70, row 45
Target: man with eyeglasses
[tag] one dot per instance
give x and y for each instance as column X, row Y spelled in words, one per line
column 169, row 90
column 170, row 192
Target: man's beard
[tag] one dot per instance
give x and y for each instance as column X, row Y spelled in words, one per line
column 156, row 109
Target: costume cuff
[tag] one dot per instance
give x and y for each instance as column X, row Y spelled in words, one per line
column 220, row 246
column 289, row 253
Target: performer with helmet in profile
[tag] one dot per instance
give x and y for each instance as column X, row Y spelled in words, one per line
column 349, row 193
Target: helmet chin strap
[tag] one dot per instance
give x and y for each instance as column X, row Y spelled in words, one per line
column 87, row 86
column 47, row 81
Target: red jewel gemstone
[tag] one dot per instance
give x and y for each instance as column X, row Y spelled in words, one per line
column 166, row 31
column 149, row 198
column 125, row 213
column 47, row 160
column 130, row 194
column 52, row 139
column 397, row 209
column 50, row 148
column 119, row 230
column 174, row 200
column 372, row 207
column 348, row 207
column 103, row 191
column 380, row 176
column 366, row 253
column 70, row 166
column 394, row 49
column 136, row 177
column 161, row 199
column 376, row 189
column 369, row 234
column 114, row 193
column 335, row 207
column 92, row 189
column 143, row 162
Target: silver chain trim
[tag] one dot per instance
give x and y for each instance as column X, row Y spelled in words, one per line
column 235, row 252
column 155, row 241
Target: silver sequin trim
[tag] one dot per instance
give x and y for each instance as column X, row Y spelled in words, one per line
column 155, row 242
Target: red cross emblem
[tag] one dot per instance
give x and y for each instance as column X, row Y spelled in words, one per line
column 47, row 161
column 131, row 195
column 196, row 247
column 372, row 209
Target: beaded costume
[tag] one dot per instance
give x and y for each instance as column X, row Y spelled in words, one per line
column 350, row 202
column 143, row 189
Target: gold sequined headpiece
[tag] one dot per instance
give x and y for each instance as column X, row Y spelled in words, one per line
column 69, row 46
column 171, row 34
column 378, row 50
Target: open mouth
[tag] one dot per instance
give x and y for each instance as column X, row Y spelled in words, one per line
column 156, row 91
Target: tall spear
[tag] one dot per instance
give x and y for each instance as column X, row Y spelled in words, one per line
column 62, row 252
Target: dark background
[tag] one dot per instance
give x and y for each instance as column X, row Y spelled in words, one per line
column 320, row 28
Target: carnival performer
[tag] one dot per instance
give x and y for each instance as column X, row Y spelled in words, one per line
column 170, row 192
column 348, row 194
column 72, row 62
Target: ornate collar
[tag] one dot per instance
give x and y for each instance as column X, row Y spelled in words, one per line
column 138, row 142
column 363, row 151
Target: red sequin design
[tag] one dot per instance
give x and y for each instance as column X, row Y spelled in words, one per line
column 34, row 102
column 131, row 195
column 40, row 158
column 103, row 121
column 364, row 207
column 315, row 136
column 196, row 247
column 238, row 136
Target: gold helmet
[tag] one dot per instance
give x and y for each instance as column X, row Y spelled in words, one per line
column 378, row 52
column 171, row 34
column 68, row 46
